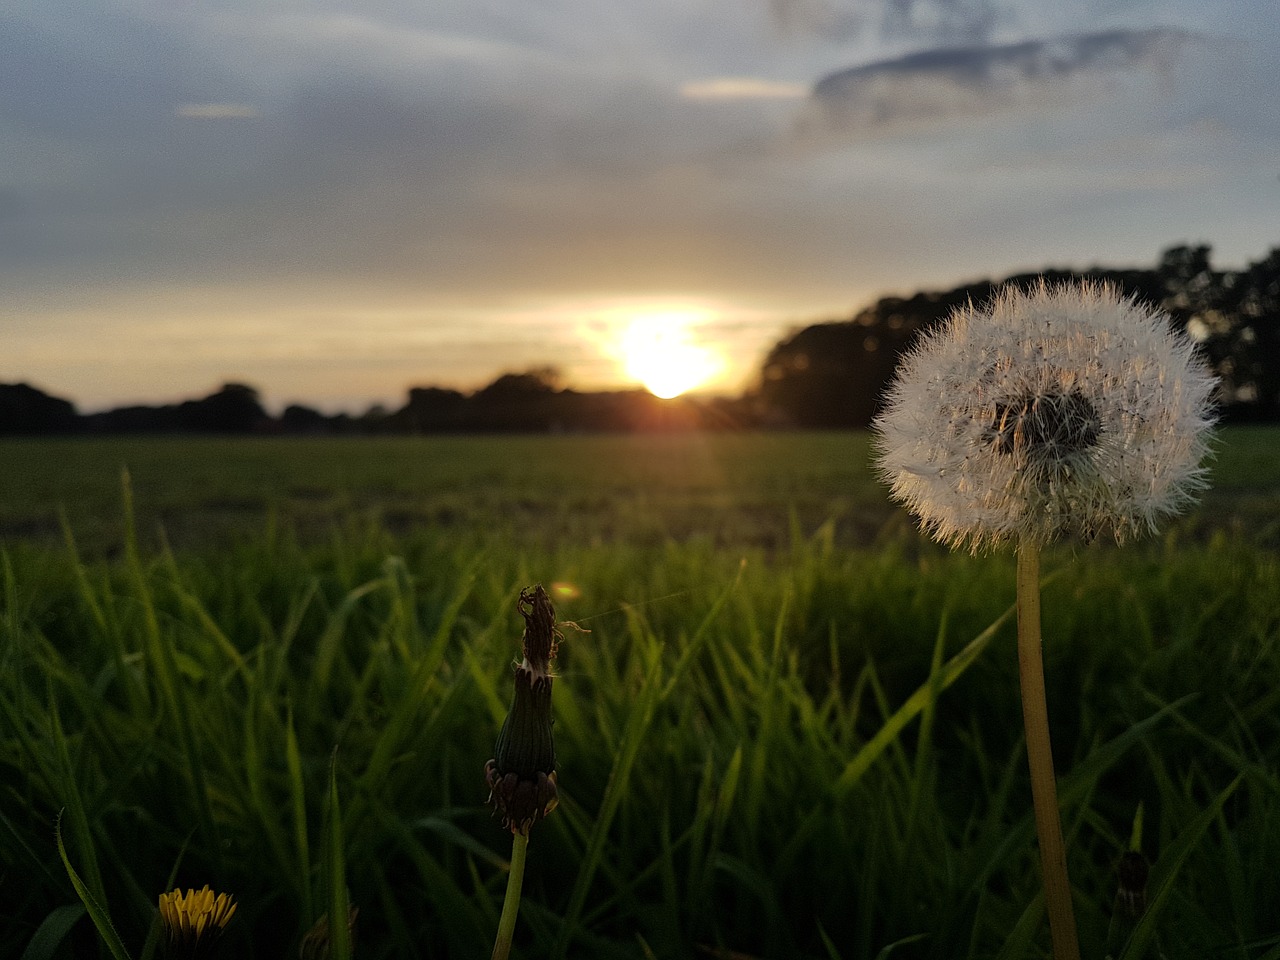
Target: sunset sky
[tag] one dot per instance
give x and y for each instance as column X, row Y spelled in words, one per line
column 334, row 201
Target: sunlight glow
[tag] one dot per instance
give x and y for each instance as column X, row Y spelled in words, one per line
column 743, row 88
column 564, row 590
column 658, row 350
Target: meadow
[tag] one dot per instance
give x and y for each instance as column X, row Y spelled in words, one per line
column 789, row 726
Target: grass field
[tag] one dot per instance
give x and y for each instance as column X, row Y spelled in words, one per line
column 793, row 729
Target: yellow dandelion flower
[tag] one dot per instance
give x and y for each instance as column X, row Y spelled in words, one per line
column 194, row 921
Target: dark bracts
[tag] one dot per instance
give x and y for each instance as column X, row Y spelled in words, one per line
column 521, row 776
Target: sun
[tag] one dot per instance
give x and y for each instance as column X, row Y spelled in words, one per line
column 657, row 349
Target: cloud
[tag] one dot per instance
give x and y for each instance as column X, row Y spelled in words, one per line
column 437, row 150
column 975, row 80
column 110, row 84
column 470, row 165
column 217, row 111
column 951, row 21
column 742, row 88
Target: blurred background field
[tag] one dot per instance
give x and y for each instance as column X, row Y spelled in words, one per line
column 738, row 490
column 790, row 732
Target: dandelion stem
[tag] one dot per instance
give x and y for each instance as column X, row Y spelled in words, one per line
column 511, row 905
column 1044, row 791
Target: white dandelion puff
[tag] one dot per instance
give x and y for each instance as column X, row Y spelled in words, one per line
column 1062, row 411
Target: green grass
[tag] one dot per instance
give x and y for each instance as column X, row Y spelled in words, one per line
column 793, row 730
column 522, row 490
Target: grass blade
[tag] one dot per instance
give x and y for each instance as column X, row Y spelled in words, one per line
column 52, row 931
column 1018, row 946
column 642, row 713
column 915, row 704
column 335, row 872
column 298, row 806
column 97, row 911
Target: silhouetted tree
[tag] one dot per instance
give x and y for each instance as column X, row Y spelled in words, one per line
column 518, row 401
column 26, row 410
column 1251, row 340
column 826, row 375
column 432, row 410
column 235, row 408
column 136, row 419
column 833, row 374
column 297, row 418
column 538, row 381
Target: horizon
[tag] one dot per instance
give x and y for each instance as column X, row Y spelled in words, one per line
column 336, row 204
column 276, row 410
column 713, row 389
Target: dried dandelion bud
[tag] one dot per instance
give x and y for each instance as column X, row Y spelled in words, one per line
column 1063, row 411
column 1131, row 892
column 316, row 944
column 521, row 777
column 194, row 922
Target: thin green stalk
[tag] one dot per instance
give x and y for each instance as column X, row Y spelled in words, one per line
column 1044, row 790
column 511, row 905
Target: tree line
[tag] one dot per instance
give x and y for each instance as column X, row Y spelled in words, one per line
column 825, row 375
column 833, row 374
column 531, row 401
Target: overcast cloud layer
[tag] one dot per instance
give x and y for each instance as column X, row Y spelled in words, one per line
column 337, row 200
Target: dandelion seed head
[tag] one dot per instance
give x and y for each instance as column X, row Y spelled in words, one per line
column 1061, row 411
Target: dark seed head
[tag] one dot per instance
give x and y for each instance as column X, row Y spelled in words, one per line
column 541, row 638
column 521, row 776
column 1045, row 428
